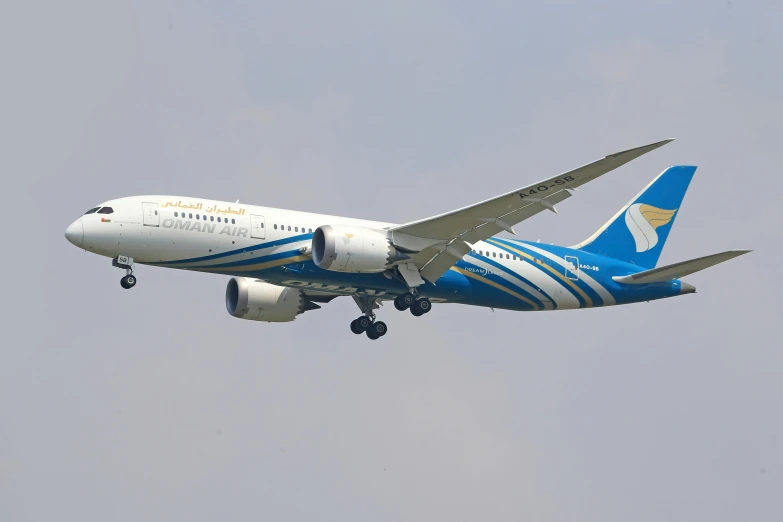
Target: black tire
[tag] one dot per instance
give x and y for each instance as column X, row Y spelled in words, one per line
column 378, row 329
column 404, row 301
column 416, row 312
column 424, row 305
column 363, row 323
column 355, row 328
column 130, row 280
column 124, row 284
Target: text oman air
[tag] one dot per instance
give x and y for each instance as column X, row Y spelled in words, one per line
column 198, row 226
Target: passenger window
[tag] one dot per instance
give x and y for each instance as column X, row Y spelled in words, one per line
column 275, row 227
column 190, row 216
column 296, row 229
column 176, row 214
column 262, row 225
column 232, row 221
column 212, row 218
column 494, row 254
column 508, row 257
column 109, row 210
column 218, row 219
column 92, row 211
column 311, row 230
column 198, row 217
column 289, row 228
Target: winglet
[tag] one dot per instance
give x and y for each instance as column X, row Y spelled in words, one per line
column 644, row 149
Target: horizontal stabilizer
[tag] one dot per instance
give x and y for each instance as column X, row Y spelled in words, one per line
column 678, row 270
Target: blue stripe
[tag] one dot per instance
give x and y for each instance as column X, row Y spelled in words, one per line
column 518, row 276
column 582, row 302
column 261, row 246
column 597, row 300
column 502, row 282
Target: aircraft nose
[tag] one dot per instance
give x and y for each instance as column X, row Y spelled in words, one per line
column 75, row 233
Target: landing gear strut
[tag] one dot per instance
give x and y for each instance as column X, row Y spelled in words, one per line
column 126, row 263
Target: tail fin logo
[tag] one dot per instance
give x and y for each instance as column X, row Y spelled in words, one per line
column 642, row 220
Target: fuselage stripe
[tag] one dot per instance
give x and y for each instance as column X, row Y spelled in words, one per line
column 496, row 285
column 552, row 271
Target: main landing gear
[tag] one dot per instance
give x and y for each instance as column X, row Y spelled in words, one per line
column 376, row 329
column 418, row 307
column 126, row 263
column 367, row 323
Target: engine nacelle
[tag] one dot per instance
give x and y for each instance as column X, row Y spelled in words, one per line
column 352, row 249
column 248, row 298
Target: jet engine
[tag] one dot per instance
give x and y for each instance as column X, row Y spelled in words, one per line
column 342, row 248
column 248, row 298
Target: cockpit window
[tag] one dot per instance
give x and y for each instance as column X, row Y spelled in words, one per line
column 106, row 210
column 92, row 211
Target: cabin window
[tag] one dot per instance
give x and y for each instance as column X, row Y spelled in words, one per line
column 108, row 210
column 311, row 230
column 275, row 227
column 176, row 214
column 262, row 225
column 232, row 221
column 212, row 218
column 508, row 256
column 296, row 229
column 218, row 219
column 494, row 254
column 190, row 216
column 289, row 228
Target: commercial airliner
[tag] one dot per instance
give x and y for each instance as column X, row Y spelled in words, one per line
column 285, row 263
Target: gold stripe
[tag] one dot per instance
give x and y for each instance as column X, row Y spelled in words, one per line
column 260, row 266
column 552, row 270
column 496, row 285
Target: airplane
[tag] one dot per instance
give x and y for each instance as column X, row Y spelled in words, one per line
column 284, row 263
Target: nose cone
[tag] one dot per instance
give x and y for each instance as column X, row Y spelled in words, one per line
column 685, row 288
column 75, row 233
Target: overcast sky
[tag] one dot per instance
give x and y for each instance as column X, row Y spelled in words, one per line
column 157, row 405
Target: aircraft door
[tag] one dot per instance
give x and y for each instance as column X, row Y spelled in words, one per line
column 572, row 267
column 257, row 228
column 151, row 214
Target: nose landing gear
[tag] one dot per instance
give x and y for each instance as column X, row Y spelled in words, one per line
column 126, row 263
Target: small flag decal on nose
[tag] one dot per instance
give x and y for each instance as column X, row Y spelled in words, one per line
column 104, row 220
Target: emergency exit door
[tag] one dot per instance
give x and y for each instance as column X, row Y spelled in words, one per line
column 151, row 214
column 257, row 228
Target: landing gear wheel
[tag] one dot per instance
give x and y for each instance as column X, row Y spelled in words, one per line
column 128, row 282
column 404, row 301
column 356, row 326
column 421, row 307
column 360, row 324
column 376, row 330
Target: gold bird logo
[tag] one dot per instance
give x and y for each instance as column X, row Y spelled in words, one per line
column 642, row 220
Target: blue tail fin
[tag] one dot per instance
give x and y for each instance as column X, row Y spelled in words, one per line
column 638, row 232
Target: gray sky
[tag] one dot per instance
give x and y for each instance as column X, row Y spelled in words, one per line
column 155, row 404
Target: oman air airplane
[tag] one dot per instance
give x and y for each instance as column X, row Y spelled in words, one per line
column 284, row 263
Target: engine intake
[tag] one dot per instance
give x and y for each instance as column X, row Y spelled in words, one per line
column 342, row 248
column 248, row 298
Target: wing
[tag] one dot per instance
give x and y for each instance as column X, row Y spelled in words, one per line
column 436, row 243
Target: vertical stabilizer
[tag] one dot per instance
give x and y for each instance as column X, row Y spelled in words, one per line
column 638, row 232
